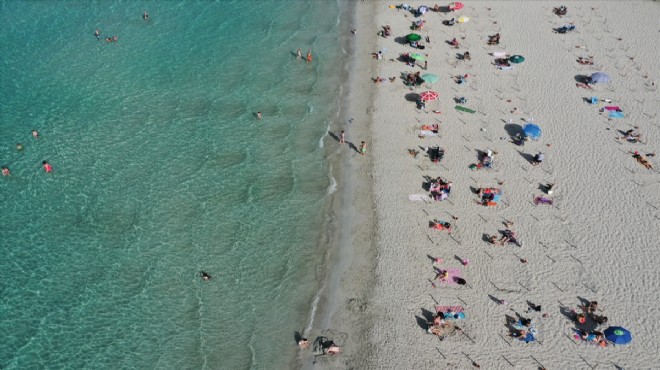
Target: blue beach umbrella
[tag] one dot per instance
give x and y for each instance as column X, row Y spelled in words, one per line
column 618, row 335
column 532, row 131
column 600, row 78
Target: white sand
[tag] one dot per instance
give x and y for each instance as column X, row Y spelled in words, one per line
column 601, row 240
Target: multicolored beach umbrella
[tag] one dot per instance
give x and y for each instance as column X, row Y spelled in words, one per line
column 413, row 37
column 428, row 95
column 618, row 335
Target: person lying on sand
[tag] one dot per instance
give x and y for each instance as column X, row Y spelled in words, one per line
column 543, row 200
column 494, row 39
column 584, row 85
column 642, row 160
column 440, row 225
column 502, row 62
column 455, row 43
column 379, row 80
column 586, row 61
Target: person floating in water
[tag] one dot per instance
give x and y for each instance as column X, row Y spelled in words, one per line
column 19, row 147
column 47, row 167
column 35, row 134
column 5, row 171
column 97, row 33
column 205, row 276
column 145, row 16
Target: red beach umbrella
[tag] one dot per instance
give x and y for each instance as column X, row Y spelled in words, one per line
column 457, row 5
column 429, row 95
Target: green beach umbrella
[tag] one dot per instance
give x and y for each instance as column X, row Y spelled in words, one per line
column 517, row 59
column 430, row 78
column 419, row 57
column 413, row 37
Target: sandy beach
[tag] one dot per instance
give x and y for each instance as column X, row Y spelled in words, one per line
column 596, row 242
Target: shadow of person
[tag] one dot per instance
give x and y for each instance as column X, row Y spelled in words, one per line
column 423, row 323
column 494, row 299
column 352, row 146
column 334, row 136
column 485, row 237
column 528, row 157
column 428, row 315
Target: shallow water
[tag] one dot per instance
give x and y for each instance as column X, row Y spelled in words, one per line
column 161, row 170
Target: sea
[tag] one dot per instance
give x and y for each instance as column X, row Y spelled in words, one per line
column 162, row 170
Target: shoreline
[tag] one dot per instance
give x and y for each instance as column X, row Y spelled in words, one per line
column 347, row 281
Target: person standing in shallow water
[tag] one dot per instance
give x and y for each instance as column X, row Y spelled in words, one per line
column 299, row 54
column 342, row 137
column 309, row 55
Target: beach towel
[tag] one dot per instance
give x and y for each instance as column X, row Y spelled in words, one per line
column 456, row 312
column 419, row 197
column 453, row 274
column 499, row 54
column 426, row 133
column 612, row 107
column 615, row 114
column 463, row 109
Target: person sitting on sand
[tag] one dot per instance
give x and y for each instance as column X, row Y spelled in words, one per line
column 461, row 79
column 442, row 275
column 418, row 24
column 378, row 55
column 600, row 320
column 494, row 39
column 440, row 225
column 581, row 318
column 592, row 307
column 466, row 56
column 455, row 43
column 436, row 8
column 538, row 159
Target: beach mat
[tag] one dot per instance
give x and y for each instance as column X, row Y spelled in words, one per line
column 419, row 197
column 614, row 114
column 457, row 312
column 463, row 109
column 453, row 274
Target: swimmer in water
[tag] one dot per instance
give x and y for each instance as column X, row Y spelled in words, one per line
column 145, row 16
column 35, row 134
column 309, row 55
column 97, row 33
column 47, row 167
column 5, row 171
column 205, row 276
column 19, row 147
column 108, row 39
column 259, row 115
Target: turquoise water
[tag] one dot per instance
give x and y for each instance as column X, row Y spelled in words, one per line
column 162, row 170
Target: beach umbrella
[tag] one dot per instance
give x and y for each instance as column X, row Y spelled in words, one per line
column 532, row 131
column 463, row 19
column 413, row 37
column 419, row 57
column 517, row 59
column 457, row 5
column 618, row 335
column 428, row 95
column 430, row 78
column 600, row 78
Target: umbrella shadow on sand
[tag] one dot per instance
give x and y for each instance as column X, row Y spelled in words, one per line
column 581, row 78
column 401, row 40
column 514, row 130
column 412, row 97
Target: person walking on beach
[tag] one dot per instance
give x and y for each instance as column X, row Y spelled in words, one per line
column 309, row 55
column 299, row 54
column 342, row 137
column 363, row 148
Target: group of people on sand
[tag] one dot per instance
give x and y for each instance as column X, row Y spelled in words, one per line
column 48, row 168
column 581, row 317
column 322, row 346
